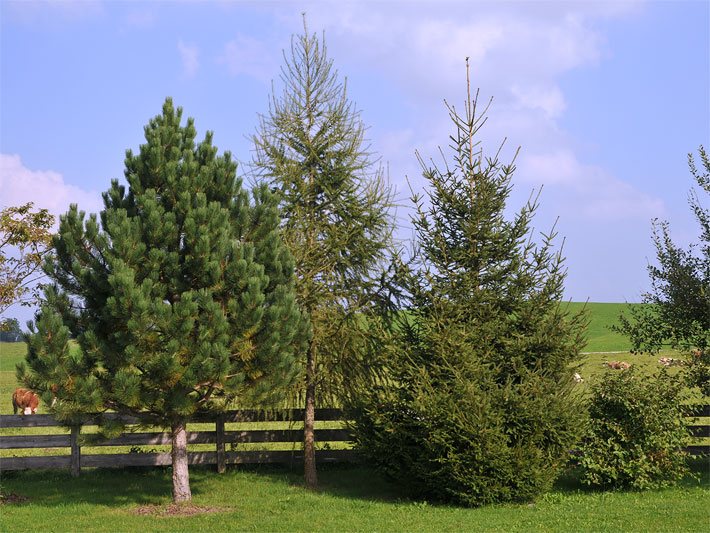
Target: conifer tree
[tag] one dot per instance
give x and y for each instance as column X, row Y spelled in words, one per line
column 477, row 404
column 180, row 295
column 334, row 203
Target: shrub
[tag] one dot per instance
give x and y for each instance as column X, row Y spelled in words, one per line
column 447, row 430
column 636, row 432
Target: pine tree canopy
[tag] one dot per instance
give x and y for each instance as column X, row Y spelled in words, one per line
column 180, row 293
column 482, row 271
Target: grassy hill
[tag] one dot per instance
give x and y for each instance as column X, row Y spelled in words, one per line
column 600, row 339
column 601, row 317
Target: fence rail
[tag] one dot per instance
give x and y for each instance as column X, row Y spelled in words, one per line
column 220, row 437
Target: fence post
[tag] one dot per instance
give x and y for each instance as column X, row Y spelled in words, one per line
column 75, row 451
column 221, row 456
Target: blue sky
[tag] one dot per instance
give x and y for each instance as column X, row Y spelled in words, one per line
column 605, row 99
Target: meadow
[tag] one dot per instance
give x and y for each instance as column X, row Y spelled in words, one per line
column 351, row 497
column 600, row 337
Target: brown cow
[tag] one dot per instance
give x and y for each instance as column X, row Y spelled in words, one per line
column 25, row 400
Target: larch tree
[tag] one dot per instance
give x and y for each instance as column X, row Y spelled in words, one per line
column 335, row 205
column 180, row 294
column 476, row 404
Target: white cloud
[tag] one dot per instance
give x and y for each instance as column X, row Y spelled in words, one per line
column 140, row 19
column 245, row 55
column 518, row 53
column 603, row 196
column 507, row 43
column 189, row 55
column 548, row 99
column 587, row 191
column 45, row 188
column 560, row 167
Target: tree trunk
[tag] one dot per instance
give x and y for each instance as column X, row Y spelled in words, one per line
column 181, row 476
column 309, row 447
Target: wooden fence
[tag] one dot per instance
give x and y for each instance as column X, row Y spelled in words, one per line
column 699, row 430
column 219, row 437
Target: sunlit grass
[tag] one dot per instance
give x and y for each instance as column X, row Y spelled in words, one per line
column 599, row 334
column 351, row 498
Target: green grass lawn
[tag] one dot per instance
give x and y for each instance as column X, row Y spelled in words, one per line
column 601, row 317
column 351, row 498
column 600, row 339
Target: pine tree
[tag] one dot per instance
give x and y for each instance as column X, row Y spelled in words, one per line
column 334, row 203
column 180, row 295
column 678, row 314
column 477, row 404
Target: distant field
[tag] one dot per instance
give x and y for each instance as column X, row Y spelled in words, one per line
column 592, row 367
column 11, row 353
column 600, row 339
column 601, row 317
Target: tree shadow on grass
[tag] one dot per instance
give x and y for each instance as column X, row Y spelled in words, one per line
column 110, row 487
column 152, row 485
column 356, row 481
column 344, row 480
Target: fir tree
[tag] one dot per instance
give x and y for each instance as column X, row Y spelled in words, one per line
column 334, row 203
column 477, row 405
column 180, row 295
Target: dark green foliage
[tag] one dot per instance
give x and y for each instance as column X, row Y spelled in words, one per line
column 478, row 404
column 180, row 294
column 679, row 316
column 636, row 432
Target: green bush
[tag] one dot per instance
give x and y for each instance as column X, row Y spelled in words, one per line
column 636, row 432
column 450, row 425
